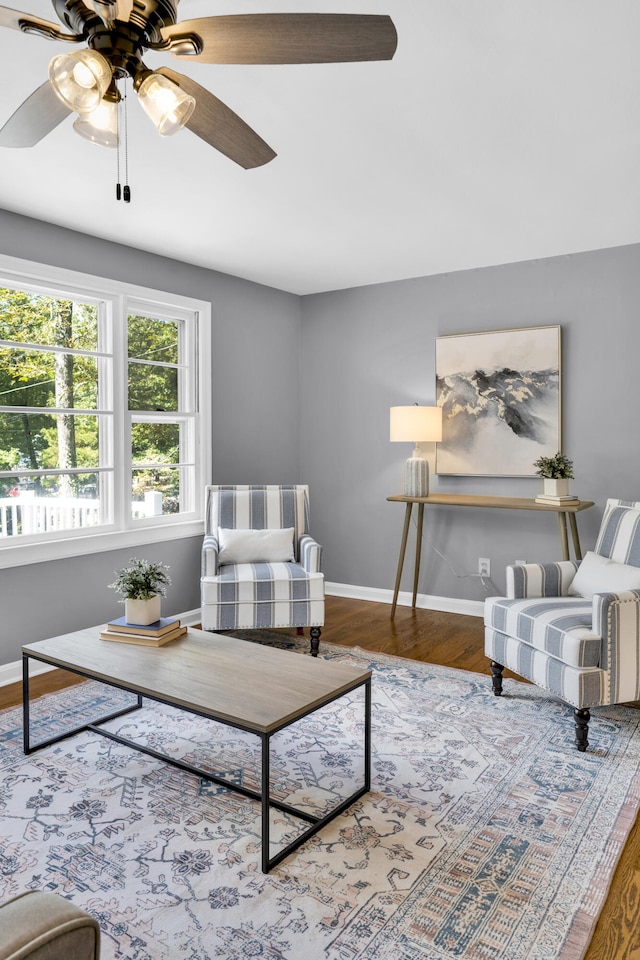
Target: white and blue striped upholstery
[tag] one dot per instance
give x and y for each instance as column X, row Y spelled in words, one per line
column 577, row 686
column 619, row 537
column 559, row 626
column 540, row 579
column 587, row 652
column 261, row 595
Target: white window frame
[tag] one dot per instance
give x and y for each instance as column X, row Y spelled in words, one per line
column 125, row 298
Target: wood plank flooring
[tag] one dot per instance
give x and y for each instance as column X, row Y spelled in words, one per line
column 455, row 641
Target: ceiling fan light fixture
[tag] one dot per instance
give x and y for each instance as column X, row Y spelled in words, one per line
column 80, row 79
column 101, row 125
column 165, row 103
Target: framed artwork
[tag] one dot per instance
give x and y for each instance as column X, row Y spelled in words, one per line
column 500, row 398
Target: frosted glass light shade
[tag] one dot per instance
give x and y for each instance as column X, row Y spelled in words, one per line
column 80, row 79
column 415, row 423
column 101, row 125
column 165, row 103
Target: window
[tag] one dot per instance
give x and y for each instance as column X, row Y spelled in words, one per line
column 104, row 426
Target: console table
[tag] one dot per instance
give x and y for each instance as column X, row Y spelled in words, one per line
column 563, row 510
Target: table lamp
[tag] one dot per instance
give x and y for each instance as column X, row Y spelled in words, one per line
column 416, row 424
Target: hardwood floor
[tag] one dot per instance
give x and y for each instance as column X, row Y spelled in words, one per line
column 455, row 641
column 11, row 694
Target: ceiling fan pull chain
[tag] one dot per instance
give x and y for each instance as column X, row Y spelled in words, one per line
column 118, row 111
column 126, row 192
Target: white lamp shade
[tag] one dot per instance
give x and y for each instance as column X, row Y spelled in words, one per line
column 415, row 424
column 166, row 104
column 80, row 79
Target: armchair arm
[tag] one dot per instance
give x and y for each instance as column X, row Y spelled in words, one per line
column 616, row 618
column 310, row 554
column 210, row 555
column 540, row 579
column 39, row 924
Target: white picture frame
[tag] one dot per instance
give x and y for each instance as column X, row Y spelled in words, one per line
column 500, row 393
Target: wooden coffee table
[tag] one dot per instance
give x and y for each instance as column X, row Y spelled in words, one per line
column 244, row 685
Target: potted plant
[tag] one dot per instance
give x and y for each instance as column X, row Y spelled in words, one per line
column 142, row 585
column 556, row 472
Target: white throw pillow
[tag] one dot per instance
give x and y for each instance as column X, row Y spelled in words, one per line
column 598, row 574
column 255, row 546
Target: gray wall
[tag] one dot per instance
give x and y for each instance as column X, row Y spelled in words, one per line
column 255, row 422
column 367, row 349
column 359, row 352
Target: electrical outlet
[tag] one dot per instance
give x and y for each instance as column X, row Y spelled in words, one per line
column 484, row 567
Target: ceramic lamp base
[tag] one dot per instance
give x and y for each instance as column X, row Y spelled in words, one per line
column 416, row 477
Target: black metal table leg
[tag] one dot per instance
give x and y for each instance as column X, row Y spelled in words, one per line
column 89, row 725
column 25, row 703
column 367, row 736
column 266, row 805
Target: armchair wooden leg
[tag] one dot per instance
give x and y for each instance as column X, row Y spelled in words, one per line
column 582, row 718
column 496, row 677
column 315, row 641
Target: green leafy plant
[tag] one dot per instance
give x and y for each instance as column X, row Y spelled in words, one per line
column 141, row 580
column 554, row 468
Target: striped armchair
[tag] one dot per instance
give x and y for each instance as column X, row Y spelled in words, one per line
column 574, row 628
column 260, row 566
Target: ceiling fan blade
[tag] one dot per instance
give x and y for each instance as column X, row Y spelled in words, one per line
column 216, row 123
column 11, row 18
column 34, row 119
column 288, row 38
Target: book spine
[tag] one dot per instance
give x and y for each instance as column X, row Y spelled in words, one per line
column 558, row 500
column 143, row 638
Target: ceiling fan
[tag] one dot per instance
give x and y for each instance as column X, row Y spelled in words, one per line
column 117, row 33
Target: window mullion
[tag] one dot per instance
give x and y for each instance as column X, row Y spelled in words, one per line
column 106, row 421
column 122, row 426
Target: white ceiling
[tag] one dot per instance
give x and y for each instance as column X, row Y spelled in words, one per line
column 502, row 130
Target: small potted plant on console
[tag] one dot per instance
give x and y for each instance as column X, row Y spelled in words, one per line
column 556, row 472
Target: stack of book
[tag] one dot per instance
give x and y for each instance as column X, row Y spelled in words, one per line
column 153, row 634
column 544, row 498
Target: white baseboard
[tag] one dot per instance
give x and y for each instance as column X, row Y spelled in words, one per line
column 12, row 672
column 470, row 608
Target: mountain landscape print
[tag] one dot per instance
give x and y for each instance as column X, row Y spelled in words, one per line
column 500, row 398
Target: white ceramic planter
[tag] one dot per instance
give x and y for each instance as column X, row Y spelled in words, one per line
column 556, row 488
column 142, row 612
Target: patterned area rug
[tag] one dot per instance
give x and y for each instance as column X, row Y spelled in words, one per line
column 486, row 835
